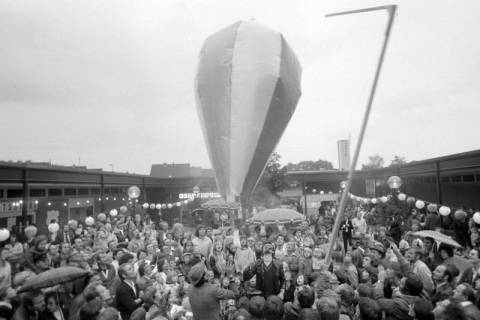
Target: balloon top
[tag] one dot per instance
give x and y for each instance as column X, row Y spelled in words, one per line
column 247, row 88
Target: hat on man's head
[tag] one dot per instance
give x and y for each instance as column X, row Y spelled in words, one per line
column 268, row 248
column 196, row 273
column 377, row 246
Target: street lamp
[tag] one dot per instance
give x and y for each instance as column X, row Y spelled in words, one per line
column 133, row 193
column 394, row 182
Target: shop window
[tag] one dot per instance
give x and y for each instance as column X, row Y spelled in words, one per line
column 54, row 192
column 469, row 178
column 38, row 193
column 83, row 191
column 456, row 179
column 70, row 192
column 95, row 191
column 15, row 193
column 114, row 191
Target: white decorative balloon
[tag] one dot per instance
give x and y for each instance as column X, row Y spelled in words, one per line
column 152, row 206
column 444, row 211
column 384, row 199
column 53, row 227
column 178, row 204
column 145, row 206
column 158, row 206
column 476, row 217
column 114, row 212
column 123, row 209
column 402, row 196
column 374, row 200
column 31, row 231
column 170, row 206
column 101, row 216
column 419, row 204
column 164, row 206
column 4, row 234
column 89, row 221
column 247, row 88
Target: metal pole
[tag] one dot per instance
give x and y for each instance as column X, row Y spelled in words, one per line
column 25, row 198
column 438, row 183
column 391, row 10
column 304, row 188
column 102, row 194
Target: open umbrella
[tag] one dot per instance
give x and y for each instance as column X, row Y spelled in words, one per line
column 220, row 203
column 53, row 277
column 278, row 215
column 198, row 211
column 438, row 237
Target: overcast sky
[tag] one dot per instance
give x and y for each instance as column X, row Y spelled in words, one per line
column 111, row 82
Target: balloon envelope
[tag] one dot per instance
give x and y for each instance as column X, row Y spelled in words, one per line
column 247, row 88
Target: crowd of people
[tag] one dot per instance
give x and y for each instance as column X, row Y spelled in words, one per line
column 138, row 269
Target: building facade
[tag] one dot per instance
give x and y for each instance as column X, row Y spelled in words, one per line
column 42, row 193
column 343, row 154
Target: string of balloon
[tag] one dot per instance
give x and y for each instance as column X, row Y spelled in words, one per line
column 419, row 204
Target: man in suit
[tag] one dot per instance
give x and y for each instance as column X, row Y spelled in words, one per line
column 127, row 295
column 442, row 277
column 465, row 295
column 67, row 235
column 204, row 297
column 470, row 275
column 106, row 270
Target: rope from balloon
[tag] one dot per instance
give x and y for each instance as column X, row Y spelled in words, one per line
column 391, row 10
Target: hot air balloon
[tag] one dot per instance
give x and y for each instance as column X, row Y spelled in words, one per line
column 247, row 88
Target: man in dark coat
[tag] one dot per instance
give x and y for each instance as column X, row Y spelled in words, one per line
column 204, row 297
column 442, row 277
column 472, row 274
column 127, row 294
column 269, row 273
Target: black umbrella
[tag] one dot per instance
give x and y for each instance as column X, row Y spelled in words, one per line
column 53, row 277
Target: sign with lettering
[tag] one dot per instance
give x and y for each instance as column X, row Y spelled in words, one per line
column 16, row 206
column 201, row 195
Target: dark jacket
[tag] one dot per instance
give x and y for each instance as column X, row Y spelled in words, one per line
column 125, row 300
column 257, row 269
column 107, row 281
column 205, row 300
column 467, row 277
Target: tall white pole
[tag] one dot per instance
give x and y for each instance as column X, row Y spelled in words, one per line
column 391, row 10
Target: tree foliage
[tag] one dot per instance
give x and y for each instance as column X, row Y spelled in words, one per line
column 374, row 162
column 272, row 181
column 310, row 165
column 275, row 175
column 398, row 161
